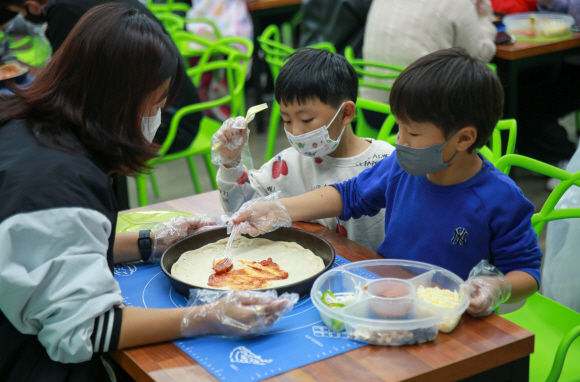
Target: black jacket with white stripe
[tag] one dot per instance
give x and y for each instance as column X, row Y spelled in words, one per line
column 59, row 302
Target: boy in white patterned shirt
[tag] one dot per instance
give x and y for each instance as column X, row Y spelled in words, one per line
column 317, row 91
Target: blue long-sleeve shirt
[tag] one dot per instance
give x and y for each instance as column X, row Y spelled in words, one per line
column 485, row 217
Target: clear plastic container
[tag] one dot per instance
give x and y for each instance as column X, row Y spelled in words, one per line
column 387, row 310
column 539, row 27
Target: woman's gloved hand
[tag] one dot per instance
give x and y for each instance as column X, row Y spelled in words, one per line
column 259, row 216
column 175, row 229
column 486, row 288
column 235, row 314
column 233, row 135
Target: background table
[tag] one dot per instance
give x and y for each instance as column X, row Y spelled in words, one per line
column 268, row 4
column 509, row 58
column 484, row 349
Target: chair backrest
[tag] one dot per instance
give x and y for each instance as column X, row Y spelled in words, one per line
column 191, row 45
column 201, row 20
column 275, row 52
column 171, row 22
column 229, row 46
column 168, row 6
column 553, row 323
column 493, row 150
column 367, row 71
column 387, row 127
column 236, row 78
column 371, row 69
column 547, row 213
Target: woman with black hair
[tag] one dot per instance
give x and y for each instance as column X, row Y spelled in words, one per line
column 91, row 113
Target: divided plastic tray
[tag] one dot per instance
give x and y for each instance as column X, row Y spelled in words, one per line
column 547, row 26
column 389, row 313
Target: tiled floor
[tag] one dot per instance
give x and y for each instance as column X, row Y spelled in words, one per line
column 175, row 182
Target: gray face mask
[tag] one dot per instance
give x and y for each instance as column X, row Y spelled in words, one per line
column 425, row 161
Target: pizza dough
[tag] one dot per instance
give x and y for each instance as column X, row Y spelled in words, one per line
column 195, row 267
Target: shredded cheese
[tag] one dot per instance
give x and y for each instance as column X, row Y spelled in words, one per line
column 443, row 298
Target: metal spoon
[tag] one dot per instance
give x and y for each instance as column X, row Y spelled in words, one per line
column 249, row 118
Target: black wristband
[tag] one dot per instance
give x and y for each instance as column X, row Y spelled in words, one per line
column 145, row 244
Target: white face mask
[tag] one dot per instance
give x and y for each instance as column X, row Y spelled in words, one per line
column 149, row 125
column 316, row 143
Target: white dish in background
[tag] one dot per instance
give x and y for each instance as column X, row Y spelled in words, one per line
column 532, row 26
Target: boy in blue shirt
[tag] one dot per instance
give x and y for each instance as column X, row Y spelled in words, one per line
column 445, row 204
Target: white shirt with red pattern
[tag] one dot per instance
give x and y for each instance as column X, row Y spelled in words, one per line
column 294, row 174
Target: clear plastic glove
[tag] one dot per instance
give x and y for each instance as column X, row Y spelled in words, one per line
column 486, row 288
column 233, row 134
column 259, row 216
column 234, row 313
column 177, row 228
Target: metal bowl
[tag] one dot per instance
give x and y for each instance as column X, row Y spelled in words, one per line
column 316, row 244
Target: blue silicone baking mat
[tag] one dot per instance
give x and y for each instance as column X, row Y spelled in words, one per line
column 298, row 339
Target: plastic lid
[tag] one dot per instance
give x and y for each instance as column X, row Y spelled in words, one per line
column 387, row 300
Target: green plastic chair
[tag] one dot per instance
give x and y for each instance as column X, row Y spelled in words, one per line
column 190, row 45
column 556, row 355
column 168, row 6
column 275, row 53
column 385, row 131
column 224, row 46
column 171, row 22
column 212, row 50
column 32, row 50
column 201, row 145
column 365, row 70
column 184, row 20
column 493, row 150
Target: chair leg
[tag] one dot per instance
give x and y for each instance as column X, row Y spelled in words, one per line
column 154, row 184
column 194, row 177
column 561, row 354
column 142, row 189
column 272, row 131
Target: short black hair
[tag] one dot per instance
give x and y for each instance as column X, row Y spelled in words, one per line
column 315, row 73
column 451, row 90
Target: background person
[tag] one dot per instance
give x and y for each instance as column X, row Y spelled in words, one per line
column 398, row 32
column 62, row 15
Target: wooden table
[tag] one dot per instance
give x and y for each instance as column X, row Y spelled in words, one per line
column 484, row 349
column 509, row 58
column 267, row 4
